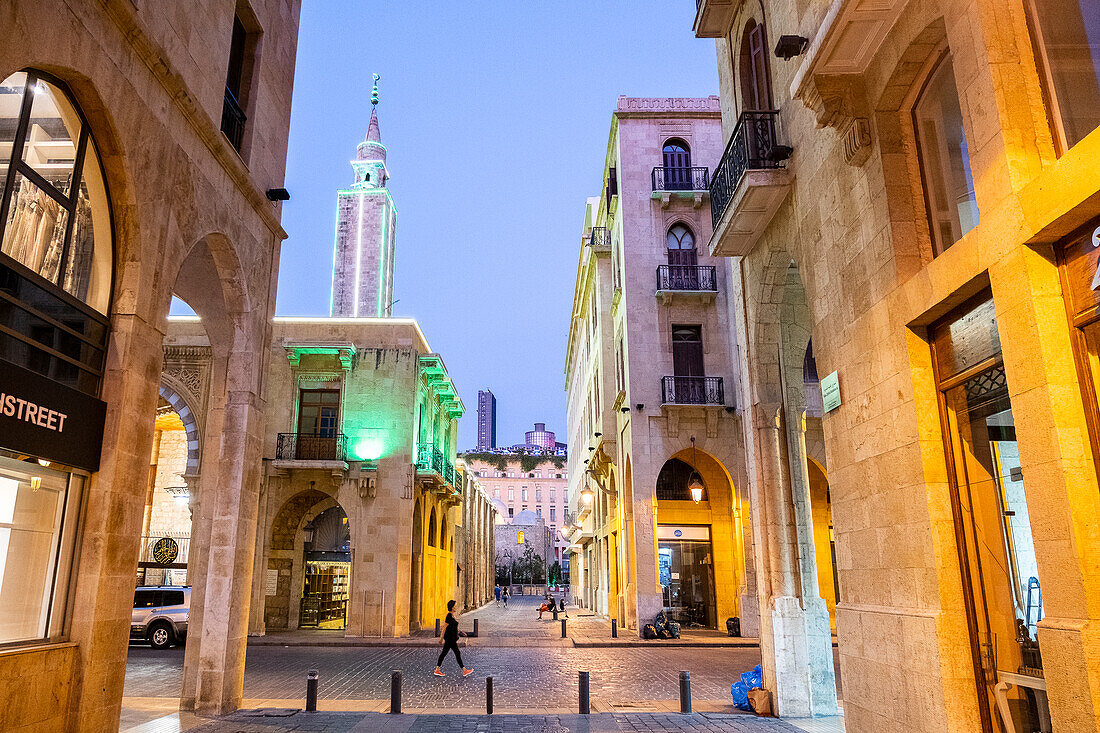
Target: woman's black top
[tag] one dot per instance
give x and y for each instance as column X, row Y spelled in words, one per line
column 451, row 632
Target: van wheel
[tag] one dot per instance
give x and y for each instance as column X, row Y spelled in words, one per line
column 161, row 636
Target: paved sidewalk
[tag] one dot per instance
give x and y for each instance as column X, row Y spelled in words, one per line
column 278, row 721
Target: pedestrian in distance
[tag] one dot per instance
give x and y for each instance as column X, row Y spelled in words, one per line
column 504, row 595
column 449, row 639
column 496, row 591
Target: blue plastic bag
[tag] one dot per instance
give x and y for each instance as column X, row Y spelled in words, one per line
column 740, row 690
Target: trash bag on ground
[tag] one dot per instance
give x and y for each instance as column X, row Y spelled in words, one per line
column 649, row 632
column 673, row 630
column 740, row 690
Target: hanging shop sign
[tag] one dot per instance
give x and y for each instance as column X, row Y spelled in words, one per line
column 165, row 551
column 830, row 392
column 48, row 420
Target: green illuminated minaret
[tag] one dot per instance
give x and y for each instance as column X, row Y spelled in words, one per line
column 366, row 232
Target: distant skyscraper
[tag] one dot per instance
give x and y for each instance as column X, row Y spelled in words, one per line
column 540, row 436
column 486, row 420
column 366, row 233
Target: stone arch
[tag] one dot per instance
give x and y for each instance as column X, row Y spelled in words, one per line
column 190, row 425
column 290, row 517
column 750, row 14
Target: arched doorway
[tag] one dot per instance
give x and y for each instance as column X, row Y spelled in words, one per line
column 417, row 566
column 699, row 556
column 327, row 559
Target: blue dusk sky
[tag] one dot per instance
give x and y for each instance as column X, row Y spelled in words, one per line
column 495, row 116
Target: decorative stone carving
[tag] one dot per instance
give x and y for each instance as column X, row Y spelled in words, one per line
column 857, row 141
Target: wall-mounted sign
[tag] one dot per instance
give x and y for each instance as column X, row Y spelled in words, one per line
column 830, row 392
column 48, row 420
column 165, row 551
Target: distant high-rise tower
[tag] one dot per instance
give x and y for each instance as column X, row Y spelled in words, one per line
column 486, row 420
column 540, row 436
column 366, row 232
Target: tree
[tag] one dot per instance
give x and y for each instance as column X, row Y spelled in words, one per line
column 555, row 573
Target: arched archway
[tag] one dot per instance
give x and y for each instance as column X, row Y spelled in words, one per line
column 700, row 560
column 190, row 425
column 417, row 566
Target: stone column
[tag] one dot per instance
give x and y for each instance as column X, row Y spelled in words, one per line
column 114, row 499
column 214, row 665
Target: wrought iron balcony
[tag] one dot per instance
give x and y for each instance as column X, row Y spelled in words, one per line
column 750, row 181
column 310, row 447
column 681, row 179
column 692, row 391
column 233, row 119
column 430, row 458
column 692, row 278
column 600, row 239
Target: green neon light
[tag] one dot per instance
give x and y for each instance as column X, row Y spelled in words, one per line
column 368, row 444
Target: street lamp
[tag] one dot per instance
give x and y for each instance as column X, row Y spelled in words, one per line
column 695, row 483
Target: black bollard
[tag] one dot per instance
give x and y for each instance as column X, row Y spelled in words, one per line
column 614, row 628
column 582, row 684
column 685, row 692
column 563, row 628
column 475, row 627
column 488, row 695
column 311, row 691
column 437, row 628
column 395, row 692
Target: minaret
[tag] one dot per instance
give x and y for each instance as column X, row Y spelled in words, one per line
column 366, row 232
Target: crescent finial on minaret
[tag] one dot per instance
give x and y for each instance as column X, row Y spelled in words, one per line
column 374, row 91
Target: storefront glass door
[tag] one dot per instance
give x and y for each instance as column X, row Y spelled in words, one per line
column 686, row 567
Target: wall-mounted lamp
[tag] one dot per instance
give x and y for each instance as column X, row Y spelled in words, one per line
column 639, row 406
column 625, row 409
column 278, row 194
column 790, row 46
column 695, row 483
column 307, row 533
column 597, row 434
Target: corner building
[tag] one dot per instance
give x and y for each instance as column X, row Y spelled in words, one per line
column 139, row 144
column 651, row 384
column 909, row 199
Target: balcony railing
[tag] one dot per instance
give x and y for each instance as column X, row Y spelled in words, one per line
column 309, row 447
column 233, row 119
column 680, row 179
column 430, row 458
column 600, row 238
column 753, row 145
column 692, row 391
column 692, row 278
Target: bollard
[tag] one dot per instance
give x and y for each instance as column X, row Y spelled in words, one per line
column 685, row 692
column 395, row 692
column 563, row 628
column 437, row 628
column 475, row 627
column 614, row 628
column 311, row 691
column 488, row 695
column 582, row 685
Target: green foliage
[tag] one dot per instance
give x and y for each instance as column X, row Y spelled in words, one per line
column 526, row 463
column 526, row 568
column 555, row 573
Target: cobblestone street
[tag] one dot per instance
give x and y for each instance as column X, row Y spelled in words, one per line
column 534, row 672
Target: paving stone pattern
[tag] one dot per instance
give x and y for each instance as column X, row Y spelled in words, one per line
column 254, row 722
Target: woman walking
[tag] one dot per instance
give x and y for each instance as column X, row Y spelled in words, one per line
column 449, row 639
column 504, row 595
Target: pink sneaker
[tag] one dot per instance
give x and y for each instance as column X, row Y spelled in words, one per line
column 439, row 672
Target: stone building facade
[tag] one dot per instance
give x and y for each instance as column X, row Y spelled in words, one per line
column 652, row 385
column 170, row 126
column 909, row 200
column 475, row 543
column 537, row 482
column 514, row 537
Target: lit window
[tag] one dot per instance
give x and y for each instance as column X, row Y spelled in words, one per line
column 945, row 159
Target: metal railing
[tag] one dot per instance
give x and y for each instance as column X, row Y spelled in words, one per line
column 600, row 238
column 681, row 179
column 694, row 278
column 752, row 146
column 430, row 458
column 233, row 119
column 309, row 447
column 692, row 391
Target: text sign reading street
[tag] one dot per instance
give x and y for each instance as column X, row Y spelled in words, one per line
column 830, row 392
column 48, row 420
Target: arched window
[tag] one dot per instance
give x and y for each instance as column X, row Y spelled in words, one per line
column 944, row 158
column 54, row 212
column 673, row 481
column 431, row 529
column 676, row 157
column 682, row 258
column 1067, row 40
